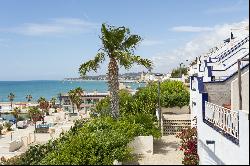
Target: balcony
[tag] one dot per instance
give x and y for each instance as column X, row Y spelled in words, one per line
column 223, row 120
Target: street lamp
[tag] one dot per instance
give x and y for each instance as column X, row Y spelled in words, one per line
column 180, row 70
column 159, row 106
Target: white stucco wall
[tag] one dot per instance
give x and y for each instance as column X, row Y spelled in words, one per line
column 15, row 145
column 244, row 92
column 195, row 97
column 223, row 151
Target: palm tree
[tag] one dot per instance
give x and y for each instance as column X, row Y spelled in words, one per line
column 29, row 97
column 44, row 105
column 118, row 45
column 53, row 102
column 75, row 96
column 78, row 97
column 34, row 114
column 11, row 97
column 59, row 96
column 16, row 111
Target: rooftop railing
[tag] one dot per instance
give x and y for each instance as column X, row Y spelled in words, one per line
column 223, row 120
column 229, row 51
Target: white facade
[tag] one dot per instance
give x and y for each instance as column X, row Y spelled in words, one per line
column 223, row 129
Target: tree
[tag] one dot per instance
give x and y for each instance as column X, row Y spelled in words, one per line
column 29, row 97
column 118, row 45
column 59, row 96
column 34, row 114
column 16, row 111
column 75, row 96
column 53, row 102
column 1, row 128
column 176, row 72
column 11, row 97
column 44, row 105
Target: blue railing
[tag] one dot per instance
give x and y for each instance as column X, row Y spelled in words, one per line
column 230, row 65
column 233, row 54
column 227, row 52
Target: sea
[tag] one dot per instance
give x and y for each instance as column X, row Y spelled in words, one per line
column 50, row 88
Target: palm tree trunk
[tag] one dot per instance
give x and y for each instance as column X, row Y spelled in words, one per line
column 43, row 115
column 11, row 105
column 113, row 86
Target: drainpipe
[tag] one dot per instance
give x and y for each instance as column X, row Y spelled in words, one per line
column 239, row 81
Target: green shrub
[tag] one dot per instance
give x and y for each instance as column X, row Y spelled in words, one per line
column 173, row 93
column 8, row 126
column 98, row 141
column 1, row 128
column 176, row 73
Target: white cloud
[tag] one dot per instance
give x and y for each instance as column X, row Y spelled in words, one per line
column 166, row 61
column 53, row 27
column 148, row 42
column 191, row 29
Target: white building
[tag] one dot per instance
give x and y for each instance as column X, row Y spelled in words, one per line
column 89, row 99
column 215, row 97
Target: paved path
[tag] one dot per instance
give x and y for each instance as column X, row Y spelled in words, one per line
column 40, row 138
column 166, row 152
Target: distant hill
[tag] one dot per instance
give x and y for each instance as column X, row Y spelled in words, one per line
column 125, row 76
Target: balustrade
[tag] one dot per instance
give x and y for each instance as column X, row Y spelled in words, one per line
column 225, row 119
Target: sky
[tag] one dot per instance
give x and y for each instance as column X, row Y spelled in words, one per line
column 50, row 39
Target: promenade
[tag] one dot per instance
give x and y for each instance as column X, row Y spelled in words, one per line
column 26, row 137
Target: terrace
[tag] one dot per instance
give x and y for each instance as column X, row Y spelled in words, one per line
column 223, row 120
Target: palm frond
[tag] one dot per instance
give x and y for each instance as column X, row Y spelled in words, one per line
column 92, row 64
column 127, row 60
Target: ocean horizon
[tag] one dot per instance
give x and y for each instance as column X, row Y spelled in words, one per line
column 50, row 88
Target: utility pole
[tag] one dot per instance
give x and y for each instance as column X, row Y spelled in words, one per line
column 159, row 99
column 180, row 70
column 239, row 81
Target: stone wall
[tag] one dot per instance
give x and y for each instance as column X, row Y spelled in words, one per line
column 176, row 110
column 220, row 92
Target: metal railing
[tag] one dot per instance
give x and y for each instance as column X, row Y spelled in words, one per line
column 229, row 51
column 225, row 119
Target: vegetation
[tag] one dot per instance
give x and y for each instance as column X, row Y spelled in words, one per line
column 118, row 45
column 75, row 96
column 35, row 114
column 44, row 106
column 11, row 97
column 176, row 73
column 28, row 97
column 189, row 146
column 59, row 96
column 1, row 128
column 173, row 93
column 8, row 126
column 98, row 141
column 53, row 102
column 102, row 139
column 16, row 111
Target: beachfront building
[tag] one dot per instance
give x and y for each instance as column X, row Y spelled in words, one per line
column 89, row 99
column 219, row 101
